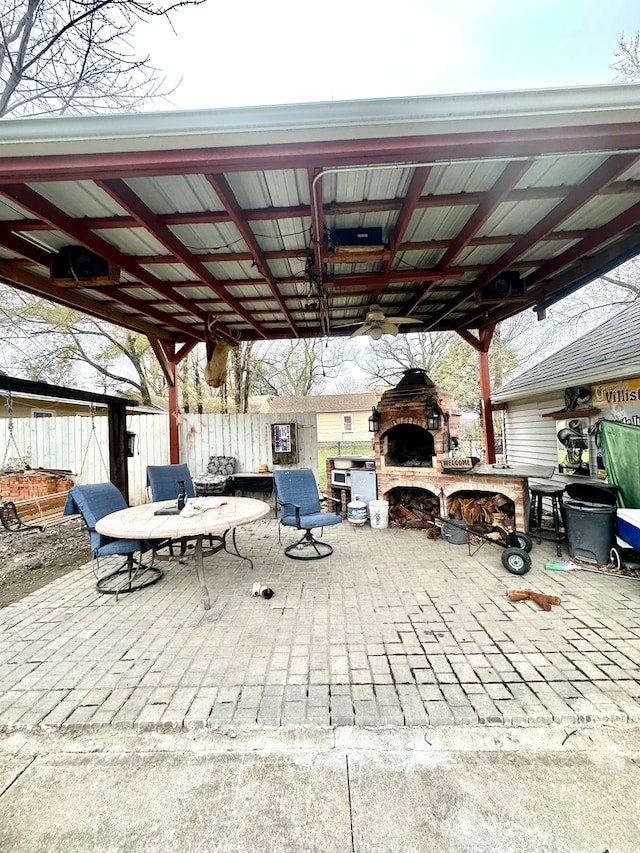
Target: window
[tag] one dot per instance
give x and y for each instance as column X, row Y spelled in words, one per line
column 347, row 423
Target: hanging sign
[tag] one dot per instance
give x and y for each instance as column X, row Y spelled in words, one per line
column 620, row 401
column 283, row 444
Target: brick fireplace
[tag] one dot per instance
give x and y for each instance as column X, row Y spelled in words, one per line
column 405, row 449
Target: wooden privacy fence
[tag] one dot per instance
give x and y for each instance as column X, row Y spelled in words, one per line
column 79, row 443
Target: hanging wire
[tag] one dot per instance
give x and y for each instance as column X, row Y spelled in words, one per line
column 93, row 435
column 11, row 439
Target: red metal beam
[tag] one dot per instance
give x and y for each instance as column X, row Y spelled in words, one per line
column 575, row 198
column 481, row 345
column 225, row 194
column 618, row 225
column 38, row 286
column 130, row 201
column 199, row 217
column 487, row 205
column 74, row 228
column 584, row 249
column 24, row 248
column 409, row 204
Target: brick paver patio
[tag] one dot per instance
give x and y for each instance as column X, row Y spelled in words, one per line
column 392, row 630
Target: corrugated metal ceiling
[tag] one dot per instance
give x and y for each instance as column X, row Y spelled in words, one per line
column 217, row 237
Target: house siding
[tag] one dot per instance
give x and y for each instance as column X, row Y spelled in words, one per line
column 531, row 439
column 330, row 427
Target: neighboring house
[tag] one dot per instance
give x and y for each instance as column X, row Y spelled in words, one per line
column 544, row 425
column 25, row 406
column 30, row 406
column 340, row 417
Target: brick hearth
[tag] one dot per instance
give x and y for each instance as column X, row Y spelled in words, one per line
column 445, row 486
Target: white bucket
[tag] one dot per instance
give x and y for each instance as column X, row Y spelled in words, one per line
column 379, row 514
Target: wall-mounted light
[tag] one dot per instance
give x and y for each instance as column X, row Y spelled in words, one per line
column 374, row 420
column 432, row 414
column 130, row 444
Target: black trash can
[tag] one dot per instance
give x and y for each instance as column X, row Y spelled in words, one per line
column 590, row 521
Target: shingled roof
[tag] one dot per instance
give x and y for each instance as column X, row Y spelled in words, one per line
column 610, row 351
column 323, row 403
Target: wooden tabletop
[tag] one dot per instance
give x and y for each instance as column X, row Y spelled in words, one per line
column 139, row 522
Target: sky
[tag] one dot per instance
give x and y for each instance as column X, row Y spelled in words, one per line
column 244, row 53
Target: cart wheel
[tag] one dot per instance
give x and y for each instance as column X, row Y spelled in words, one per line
column 516, row 561
column 525, row 542
column 615, row 558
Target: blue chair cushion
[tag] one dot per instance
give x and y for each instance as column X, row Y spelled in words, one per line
column 315, row 519
column 93, row 502
column 298, row 487
column 163, row 481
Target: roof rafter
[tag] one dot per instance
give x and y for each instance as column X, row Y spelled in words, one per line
column 575, row 198
column 511, row 174
column 224, row 192
column 38, row 286
column 74, row 228
column 130, row 201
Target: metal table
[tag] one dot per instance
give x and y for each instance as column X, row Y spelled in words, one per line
column 242, row 482
column 140, row 522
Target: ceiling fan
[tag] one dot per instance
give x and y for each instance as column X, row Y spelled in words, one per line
column 376, row 324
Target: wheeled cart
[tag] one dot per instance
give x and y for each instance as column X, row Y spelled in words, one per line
column 516, row 544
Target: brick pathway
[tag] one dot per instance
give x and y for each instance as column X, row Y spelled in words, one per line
column 392, row 630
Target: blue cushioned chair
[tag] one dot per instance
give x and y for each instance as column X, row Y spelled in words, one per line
column 93, row 502
column 163, row 480
column 299, row 501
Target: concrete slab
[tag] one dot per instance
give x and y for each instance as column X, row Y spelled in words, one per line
column 71, row 803
column 483, row 803
column 289, row 791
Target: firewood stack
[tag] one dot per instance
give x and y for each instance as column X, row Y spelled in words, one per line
column 484, row 513
column 412, row 508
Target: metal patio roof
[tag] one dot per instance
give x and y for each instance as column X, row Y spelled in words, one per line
column 222, row 224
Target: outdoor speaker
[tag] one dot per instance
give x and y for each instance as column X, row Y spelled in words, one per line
column 507, row 286
column 356, row 238
column 78, row 263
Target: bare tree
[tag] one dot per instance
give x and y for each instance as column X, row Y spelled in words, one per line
column 386, row 359
column 50, row 343
column 75, row 56
column 297, row 368
column 627, row 59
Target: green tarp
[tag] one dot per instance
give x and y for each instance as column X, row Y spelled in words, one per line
column 620, row 445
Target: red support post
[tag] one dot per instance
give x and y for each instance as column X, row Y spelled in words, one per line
column 174, row 442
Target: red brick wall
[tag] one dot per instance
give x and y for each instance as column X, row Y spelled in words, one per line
column 32, row 484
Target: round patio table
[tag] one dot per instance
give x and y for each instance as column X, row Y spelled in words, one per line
column 215, row 523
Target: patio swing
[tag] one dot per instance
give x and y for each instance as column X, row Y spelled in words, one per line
column 93, row 438
column 9, row 516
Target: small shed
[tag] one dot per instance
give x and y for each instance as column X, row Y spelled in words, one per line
column 549, row 410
